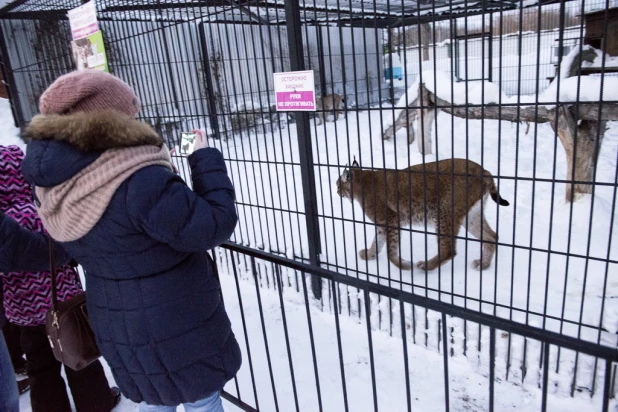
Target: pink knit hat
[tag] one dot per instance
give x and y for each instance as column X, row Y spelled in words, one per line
column 89, row 90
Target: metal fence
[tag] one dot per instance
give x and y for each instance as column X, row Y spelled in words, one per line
column 511, row 86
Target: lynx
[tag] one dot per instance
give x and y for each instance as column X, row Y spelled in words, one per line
column 326, row 104
column 445, row 193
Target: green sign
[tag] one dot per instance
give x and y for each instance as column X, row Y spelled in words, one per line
column 89, row 52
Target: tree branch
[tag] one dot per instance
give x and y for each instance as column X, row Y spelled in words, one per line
column 539, row 114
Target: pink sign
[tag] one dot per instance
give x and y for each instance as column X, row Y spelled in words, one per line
column 295, row 100
column 295, row 91
column 85, row 31
column 83, row 20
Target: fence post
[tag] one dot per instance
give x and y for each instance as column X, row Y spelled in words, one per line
column 321, row 65
column 303, row 127
column 391, row 88
column 212, row 101
column 491, row 46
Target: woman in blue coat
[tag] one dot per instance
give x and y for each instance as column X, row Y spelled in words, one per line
column 108, row 194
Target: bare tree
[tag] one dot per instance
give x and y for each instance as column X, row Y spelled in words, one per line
column 426, row 40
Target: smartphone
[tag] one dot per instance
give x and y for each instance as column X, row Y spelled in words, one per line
column 187, row 141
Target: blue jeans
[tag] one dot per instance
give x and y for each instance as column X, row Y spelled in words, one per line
column 9, row 397
column 211, row 403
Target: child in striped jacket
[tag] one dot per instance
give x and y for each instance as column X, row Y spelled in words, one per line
column 26, row 300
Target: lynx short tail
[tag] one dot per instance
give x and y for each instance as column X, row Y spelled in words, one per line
column 490, row 186
column 496, row 197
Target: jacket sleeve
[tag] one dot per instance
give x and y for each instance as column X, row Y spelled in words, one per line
column 188, row 220
column 22, row 250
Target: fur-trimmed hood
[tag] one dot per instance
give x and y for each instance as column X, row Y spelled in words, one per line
column 78, row 161
column 93, row 132
column 59, row 146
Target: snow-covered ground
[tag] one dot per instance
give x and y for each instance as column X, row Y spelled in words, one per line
column 468, row 388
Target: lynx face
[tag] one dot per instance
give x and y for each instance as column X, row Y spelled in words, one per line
column 344, row 185
column 446, row 194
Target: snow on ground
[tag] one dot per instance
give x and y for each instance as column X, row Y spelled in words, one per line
column 468, row 390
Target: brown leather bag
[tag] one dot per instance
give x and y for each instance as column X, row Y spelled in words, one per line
column 68, row 329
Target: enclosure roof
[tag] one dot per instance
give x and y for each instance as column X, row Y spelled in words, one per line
column 600, row 14
column 371, row 13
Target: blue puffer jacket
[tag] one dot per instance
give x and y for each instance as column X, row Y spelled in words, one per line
column 153, row 300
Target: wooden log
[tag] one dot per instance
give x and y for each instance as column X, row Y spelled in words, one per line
column 426, row 117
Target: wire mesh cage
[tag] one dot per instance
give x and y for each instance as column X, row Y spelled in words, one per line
column 455, row 188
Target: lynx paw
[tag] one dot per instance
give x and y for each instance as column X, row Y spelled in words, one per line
column 402, row 264
column 477, row 264
column 367, row 254
column 426, row 265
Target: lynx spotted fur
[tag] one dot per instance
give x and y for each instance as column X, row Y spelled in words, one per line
column 326, row 104
column 449, row 193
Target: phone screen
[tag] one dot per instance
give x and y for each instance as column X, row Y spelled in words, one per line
column 187, row 142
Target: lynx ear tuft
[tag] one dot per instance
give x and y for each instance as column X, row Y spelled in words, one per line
column 345, row 176
column 355, row 163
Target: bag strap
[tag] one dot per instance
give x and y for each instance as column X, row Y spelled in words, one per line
column 52, row 270
column 216, row 273
column 214, row 266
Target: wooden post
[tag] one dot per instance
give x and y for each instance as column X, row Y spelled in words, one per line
column 426, row 117
column 405, row 119
column 581, row 148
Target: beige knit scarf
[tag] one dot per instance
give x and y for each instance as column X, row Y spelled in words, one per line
column 70, row 210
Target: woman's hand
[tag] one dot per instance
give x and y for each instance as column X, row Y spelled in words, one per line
column 200, row 140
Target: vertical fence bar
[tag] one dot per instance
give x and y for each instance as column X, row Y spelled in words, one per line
column 370, row 342
column 404, row 341
column 445, row 358
column 244, row 328
column 545, row 384
column 305, row 149
column 335, row 287
column 264, row 333
column 492, row 367
column 607, row 385
column 312, row 342
column 286, row 333
column 321, row 65
column 212, row 101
